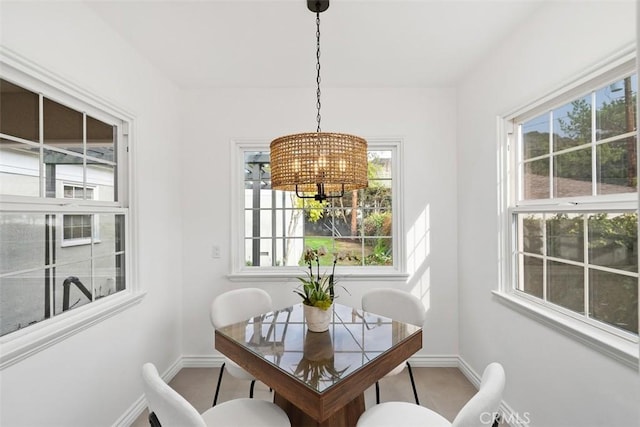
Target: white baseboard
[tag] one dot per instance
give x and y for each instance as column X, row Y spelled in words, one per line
column 173, row 370
column 508, row 415
column 202, row 361
column 419, row 361
column 468, row 372
column 435, row 361
column 511, row 417
column 132, row 413
column 138, row 407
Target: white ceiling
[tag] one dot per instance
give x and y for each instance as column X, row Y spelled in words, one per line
column 262, row 43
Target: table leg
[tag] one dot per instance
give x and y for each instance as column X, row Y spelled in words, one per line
column 344, row 417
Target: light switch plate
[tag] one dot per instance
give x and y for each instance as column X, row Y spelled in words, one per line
column 215, row 251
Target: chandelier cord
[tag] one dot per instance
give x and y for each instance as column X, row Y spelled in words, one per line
column 318, row 104
column 327, row 164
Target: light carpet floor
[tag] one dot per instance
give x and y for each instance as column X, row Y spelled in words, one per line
column 444, row 390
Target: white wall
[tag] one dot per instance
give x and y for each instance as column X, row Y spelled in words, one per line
column 424, row 118
column 557, row 380
column 93, row 377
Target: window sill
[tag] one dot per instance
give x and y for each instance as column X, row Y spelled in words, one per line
column 269, row 275
column 77, row 242
column 22, row 344
column 617, row 348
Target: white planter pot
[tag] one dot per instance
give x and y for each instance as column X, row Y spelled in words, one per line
column 317, row 319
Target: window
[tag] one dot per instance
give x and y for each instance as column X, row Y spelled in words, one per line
column 77, row 229
column 572, row 203
column 63, row 181
column 360, row 227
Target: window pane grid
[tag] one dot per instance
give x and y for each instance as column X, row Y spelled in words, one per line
column 356, row 227
column 573, row 165
column 573, row 203
column 556, row 263
column 53, row 151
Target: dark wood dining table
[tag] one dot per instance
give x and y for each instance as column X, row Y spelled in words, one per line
column 319, row 378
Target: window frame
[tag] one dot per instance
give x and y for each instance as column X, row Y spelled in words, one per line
column 240, row 272
column 22, row 343
column 618, row 344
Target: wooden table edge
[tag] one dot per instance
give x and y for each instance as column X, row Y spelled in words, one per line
column 334, row 398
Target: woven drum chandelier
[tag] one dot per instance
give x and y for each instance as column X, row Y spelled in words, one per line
column 327, row 164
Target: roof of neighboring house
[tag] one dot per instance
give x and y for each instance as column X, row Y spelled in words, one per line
column 537, row 187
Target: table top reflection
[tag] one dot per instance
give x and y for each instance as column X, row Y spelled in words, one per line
column 319, row 360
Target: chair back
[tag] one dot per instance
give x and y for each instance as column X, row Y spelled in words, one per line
column 238, row 305
column 396, row 304
column 170, row 408
column 483, row 406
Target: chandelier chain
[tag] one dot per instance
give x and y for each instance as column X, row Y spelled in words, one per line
column 318, row 165
column 318, row 104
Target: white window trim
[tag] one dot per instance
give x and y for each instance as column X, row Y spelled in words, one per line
column 29, row 341
column 239, row 272
column 620, row 349
column 19, row 345
column 618, row 345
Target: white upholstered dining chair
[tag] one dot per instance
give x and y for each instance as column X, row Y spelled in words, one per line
column 233, row 307
column 167, row 408
column 480, row 410
column 398, row 305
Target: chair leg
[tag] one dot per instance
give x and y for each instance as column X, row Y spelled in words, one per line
column 153, row 420
column 377, row 392
column 413, row 384
column 215, row 398
column 496, row 421
column 253, row 384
